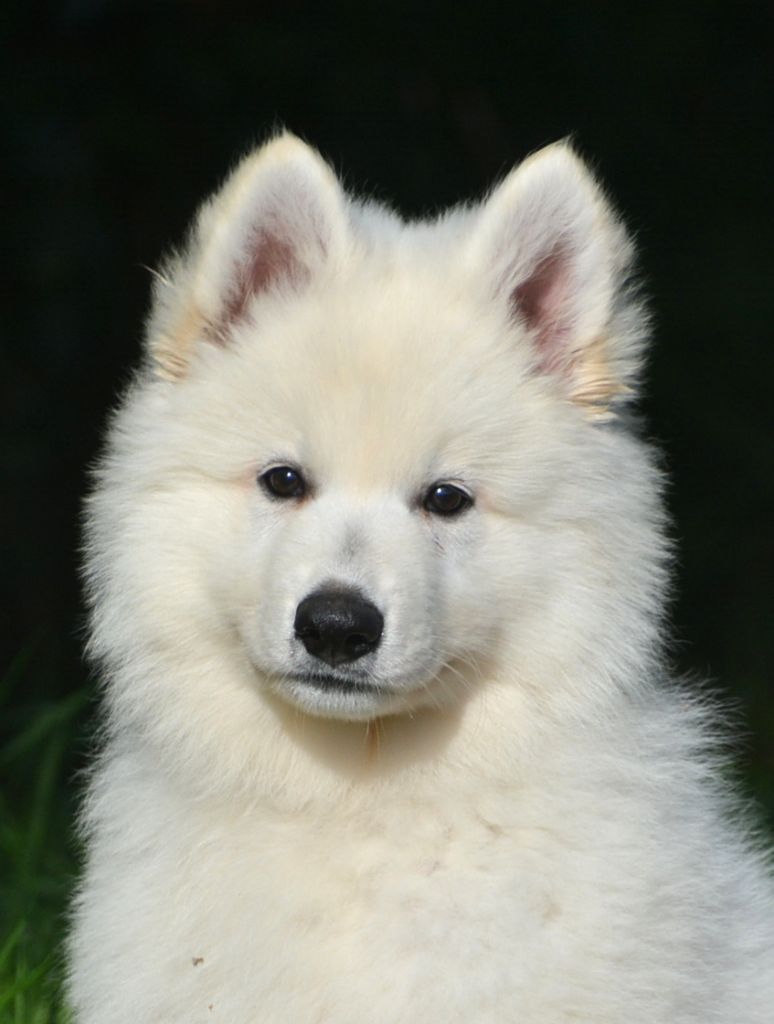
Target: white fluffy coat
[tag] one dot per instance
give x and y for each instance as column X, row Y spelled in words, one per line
column 519, row 818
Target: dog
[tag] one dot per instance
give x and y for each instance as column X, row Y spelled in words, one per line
column 376, row 563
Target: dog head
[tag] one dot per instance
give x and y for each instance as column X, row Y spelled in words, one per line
column 375, row 458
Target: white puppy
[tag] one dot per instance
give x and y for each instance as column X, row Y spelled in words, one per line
column 377, row 571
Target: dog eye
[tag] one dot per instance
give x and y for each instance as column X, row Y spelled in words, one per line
column 446, row 500
column 283, row 482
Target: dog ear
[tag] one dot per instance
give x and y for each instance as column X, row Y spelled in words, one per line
column 554, row 251
column 274, row 225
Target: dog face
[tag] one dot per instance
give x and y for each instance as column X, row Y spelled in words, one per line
column 368, row 574
column 366, row 448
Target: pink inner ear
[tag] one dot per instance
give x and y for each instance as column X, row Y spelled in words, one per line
column 269, row 260
column 541, row 301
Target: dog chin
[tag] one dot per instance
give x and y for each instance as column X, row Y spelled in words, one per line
column 333, row 696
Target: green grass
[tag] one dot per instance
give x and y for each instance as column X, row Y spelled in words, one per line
column 37, row 847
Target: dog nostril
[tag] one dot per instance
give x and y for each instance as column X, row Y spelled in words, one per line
column 338, row 626
column 359, row 644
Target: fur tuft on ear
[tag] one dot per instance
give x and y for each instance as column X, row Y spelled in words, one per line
column 554, row 251
column 276, row 222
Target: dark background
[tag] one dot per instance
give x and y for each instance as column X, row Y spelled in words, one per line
column 118, row 118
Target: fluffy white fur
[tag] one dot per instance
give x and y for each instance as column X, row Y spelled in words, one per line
column 522, row 819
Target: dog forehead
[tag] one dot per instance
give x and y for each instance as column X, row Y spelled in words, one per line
column 371, row 383
column 390, row 341
column 391, row 391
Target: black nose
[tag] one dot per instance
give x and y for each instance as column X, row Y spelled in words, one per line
column 338, row 626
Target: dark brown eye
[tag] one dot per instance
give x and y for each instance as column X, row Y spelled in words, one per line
column 284, row 482
column 446, row 500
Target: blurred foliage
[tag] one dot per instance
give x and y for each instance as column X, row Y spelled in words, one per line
column 119, row 117
column 41, row 741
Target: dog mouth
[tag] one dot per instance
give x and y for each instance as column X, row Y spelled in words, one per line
column 325, row 682
column 347, row 697
column 328, row 695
